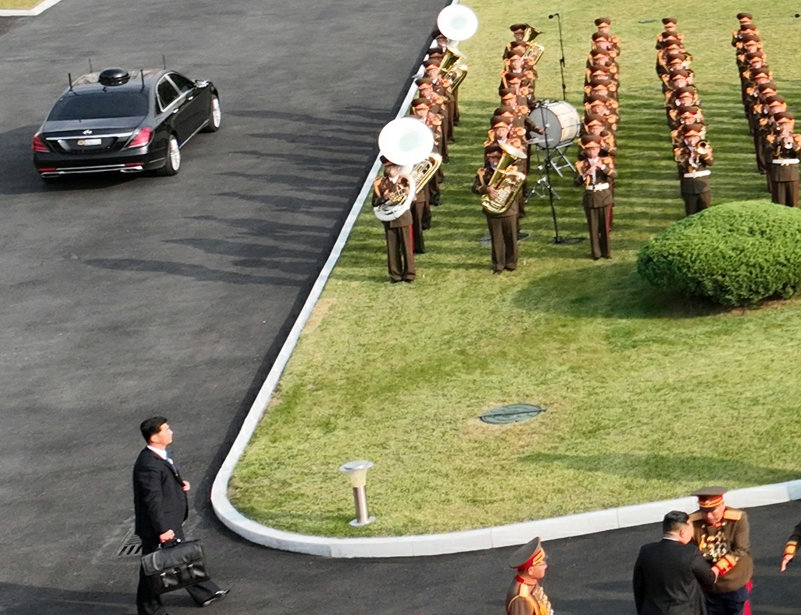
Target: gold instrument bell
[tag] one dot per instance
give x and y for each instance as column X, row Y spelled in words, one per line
column 507, row 182
column 406, row 141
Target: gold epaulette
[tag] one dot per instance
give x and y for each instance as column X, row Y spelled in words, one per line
column 696, row 516
column 733, row 514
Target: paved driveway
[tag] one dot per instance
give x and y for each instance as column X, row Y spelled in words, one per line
column 124, row 298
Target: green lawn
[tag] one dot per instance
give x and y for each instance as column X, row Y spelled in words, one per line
column 648, row 396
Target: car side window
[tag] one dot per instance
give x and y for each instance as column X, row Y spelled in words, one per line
column 167, row 93
column 183, row 84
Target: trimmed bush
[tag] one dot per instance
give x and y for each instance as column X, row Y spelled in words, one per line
column 733, row 254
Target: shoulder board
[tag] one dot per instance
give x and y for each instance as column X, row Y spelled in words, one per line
column 733, row 514
column 696, row 516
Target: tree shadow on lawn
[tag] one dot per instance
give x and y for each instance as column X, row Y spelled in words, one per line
column 609, row 289
column 663, row 467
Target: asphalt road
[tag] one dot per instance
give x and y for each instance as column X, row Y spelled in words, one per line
column 124, row 298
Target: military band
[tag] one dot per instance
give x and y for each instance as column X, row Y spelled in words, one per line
column 595, row 165
column 770, row 122
column 777, row 144
column 692, row 150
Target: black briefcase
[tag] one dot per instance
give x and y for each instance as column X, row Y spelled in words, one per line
column 175, row 565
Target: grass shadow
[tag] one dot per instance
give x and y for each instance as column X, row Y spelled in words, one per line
column 608, row 289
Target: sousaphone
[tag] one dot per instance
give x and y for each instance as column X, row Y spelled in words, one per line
column 407, row 142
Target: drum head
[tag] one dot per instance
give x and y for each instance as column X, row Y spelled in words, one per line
column 558, row 120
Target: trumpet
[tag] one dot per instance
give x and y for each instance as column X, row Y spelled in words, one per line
column 702, row 148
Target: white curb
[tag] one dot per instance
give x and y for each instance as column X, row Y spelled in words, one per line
column 37, row 10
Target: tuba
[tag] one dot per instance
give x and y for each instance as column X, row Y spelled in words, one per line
column 397, row 203
column 423, row 171
column 405, row 141
column 506, row 182
column 533, row 50
column 452, row 67
column 457, row 22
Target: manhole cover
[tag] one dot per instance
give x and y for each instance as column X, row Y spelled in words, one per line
column 512, row 413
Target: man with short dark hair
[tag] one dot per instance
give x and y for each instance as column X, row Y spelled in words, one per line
column 161, row 507
column 668, row 574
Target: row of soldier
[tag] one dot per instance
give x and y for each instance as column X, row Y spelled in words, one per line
column 595, row 167
column 436, row 106
column 692, row 151
column 502, row 180
column 772, row 126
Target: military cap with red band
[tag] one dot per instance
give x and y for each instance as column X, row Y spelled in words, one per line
column 709, row 498
column 530, row 554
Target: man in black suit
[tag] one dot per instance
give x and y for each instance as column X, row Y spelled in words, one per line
column 161, row 507
column 668, row 574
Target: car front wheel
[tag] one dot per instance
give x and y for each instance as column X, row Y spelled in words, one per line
column 172, row 163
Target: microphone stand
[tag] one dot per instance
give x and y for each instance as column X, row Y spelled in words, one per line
column 562, row 50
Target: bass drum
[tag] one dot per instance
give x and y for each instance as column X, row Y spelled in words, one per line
column 559, row 121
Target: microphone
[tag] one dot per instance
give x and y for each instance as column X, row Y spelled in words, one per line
column 552, row 15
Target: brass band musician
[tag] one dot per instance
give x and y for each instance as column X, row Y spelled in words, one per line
column 393, row 194
column 594, row 172
column 502, row 217
column 784, row 149
column 693, row 158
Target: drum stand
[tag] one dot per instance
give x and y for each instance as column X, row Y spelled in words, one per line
column 543, row 185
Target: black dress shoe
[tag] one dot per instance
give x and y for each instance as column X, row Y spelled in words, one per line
column 218, row 595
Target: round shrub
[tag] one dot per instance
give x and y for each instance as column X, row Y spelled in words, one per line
column 734, row 254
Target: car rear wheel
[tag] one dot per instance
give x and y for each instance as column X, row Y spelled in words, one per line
column 172, row 163
column 215, row 115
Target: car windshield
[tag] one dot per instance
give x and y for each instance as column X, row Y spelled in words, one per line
column 99, row 105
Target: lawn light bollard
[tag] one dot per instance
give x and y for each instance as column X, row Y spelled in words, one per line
column 357, row 473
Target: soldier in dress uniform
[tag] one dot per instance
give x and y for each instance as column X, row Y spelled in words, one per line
column 604, row 27
column 783, row 148
column 392, row 187
column 669, row 24
column 595, row 125
column 594, row 172
column 525, row 595
column 694, row 157
column 503, row 225
column 722, row 536
column 686, row 117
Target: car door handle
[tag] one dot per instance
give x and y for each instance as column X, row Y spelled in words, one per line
column 176, row 110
